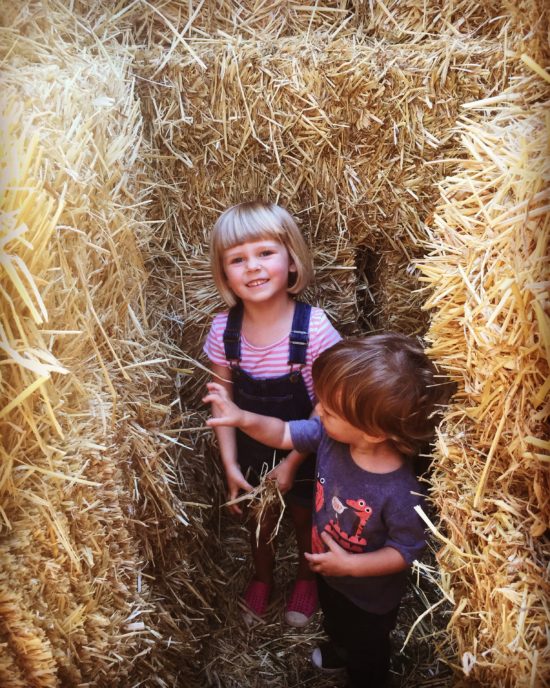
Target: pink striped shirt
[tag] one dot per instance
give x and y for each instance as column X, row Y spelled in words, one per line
column 272, row 360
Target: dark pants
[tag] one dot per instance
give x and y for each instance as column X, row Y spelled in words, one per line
column 361, row 637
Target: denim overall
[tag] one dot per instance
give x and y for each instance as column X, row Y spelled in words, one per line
column 284, row 397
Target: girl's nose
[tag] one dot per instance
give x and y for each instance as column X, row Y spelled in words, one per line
column 252, row 263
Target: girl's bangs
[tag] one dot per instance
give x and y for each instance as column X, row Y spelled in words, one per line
column 251, row 226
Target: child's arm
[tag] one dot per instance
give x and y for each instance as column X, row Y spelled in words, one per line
column 339, row 562
column 285, row 470
column 227, row 445
column 264, row 429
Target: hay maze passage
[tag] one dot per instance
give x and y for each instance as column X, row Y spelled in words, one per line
column 410, row 140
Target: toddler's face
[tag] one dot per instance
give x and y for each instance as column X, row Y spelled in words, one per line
column 340, row 429
column 257, row 270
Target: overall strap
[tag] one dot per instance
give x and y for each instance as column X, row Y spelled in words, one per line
column 299, row 334
column 232, row 333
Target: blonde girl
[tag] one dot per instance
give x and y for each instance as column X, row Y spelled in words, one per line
column 263, row 350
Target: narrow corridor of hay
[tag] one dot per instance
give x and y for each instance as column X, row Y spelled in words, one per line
column 410, row 140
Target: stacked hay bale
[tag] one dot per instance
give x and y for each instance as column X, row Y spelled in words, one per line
column 349, row 136
column 88, row 501
column 490, row 329
column 341, row 131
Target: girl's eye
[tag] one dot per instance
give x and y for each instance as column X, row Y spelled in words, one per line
column 267, row 252
column 235, row 259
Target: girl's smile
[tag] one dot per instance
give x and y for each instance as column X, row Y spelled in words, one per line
column 257, row 283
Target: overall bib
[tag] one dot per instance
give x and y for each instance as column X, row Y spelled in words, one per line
column 283, row 397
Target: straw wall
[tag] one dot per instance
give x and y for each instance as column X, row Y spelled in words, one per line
column 127, row 128
column 350, row 137
column 87, row 482
column 490, row 329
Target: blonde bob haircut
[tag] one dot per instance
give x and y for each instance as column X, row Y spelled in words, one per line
column 254, row 221
column 384, row 385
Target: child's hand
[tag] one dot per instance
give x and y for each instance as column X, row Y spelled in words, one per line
column 284, row 474
column 235, row 482
column 224, row 411
column 335, row 562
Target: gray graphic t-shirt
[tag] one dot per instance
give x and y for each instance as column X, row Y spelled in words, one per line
column 362, row 512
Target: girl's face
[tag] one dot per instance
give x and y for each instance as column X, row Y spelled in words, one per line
column 257, row 270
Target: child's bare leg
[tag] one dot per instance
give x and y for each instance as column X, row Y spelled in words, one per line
column 263, row 551
column 301, row 518
column 302, row 602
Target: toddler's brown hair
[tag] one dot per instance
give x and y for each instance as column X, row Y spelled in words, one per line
column 384, row 385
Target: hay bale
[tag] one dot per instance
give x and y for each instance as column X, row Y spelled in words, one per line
column 523, row 22
column 88, row 495
column 349, row 136
column 296, row 119
column 341, row 133
column 487, row 272
column 178, row 24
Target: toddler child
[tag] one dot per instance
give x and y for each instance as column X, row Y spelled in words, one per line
column 378, row 401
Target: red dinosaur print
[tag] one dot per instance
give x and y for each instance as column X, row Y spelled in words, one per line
column 363, row 511
column 354, row 542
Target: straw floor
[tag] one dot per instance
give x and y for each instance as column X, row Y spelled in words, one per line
column 411, row 142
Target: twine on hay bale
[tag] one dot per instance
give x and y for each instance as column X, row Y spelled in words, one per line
column 488, row 277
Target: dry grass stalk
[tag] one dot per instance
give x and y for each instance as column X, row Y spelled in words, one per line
column 262, row 500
